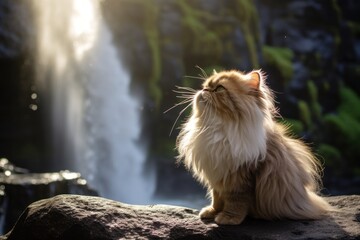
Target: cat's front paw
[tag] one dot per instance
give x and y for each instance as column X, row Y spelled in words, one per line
column 226, row 219
column 208, row 212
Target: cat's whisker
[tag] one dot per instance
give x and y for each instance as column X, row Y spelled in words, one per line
column 183, row 92
column 186, row 88
column 178, row 104
column 185, row 96
column 200, row 77
column 181, row 112
column 203, row 72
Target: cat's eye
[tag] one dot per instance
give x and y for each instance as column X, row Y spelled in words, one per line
column 219, row 88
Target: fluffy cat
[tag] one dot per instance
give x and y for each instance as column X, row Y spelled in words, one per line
column 248, row 161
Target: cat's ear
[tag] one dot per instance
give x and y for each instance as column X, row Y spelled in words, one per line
column 254, row 79
column 214, row 71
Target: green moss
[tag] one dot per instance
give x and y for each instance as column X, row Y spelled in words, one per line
column 247, row 14
column 315, row 106
column 330, row 154
column 281, row 59
column 204, row 41
column 313, row 92
column 344, row 132
column 154, row 87
column 149, row 25
column 345, row 125
column 316, row 110
column 305, row 114
column 350, row 103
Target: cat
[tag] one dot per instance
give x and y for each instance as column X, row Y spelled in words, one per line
column 246, row 159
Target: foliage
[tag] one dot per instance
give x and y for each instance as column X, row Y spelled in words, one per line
column 332, row 157
column 315, row 106
column 281, row 59
column 305, row 113
column 246, row 12
column 350, row 102
column 343, row 128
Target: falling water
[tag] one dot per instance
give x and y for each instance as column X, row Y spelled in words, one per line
column 95, row 122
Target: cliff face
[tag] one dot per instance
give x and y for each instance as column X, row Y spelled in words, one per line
column 83, row 217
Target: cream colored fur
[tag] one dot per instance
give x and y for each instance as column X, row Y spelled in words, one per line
column 250, row 165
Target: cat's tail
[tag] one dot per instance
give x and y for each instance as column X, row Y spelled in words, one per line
column 287, row 182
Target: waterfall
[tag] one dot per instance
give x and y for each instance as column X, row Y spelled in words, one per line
column 94, row 121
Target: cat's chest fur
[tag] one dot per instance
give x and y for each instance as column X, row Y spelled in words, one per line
column 221, row 149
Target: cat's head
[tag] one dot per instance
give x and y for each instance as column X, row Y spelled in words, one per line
column 233, row 95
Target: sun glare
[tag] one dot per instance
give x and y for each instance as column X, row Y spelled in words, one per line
column 83, row 26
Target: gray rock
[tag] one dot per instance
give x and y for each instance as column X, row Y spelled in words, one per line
column 20, row 190
column 85, row 217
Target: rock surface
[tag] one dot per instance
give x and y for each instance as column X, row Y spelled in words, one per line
column 17, row 191
column 85, row 217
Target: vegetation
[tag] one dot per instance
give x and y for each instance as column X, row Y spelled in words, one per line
column 281, row 59
column 152, row 35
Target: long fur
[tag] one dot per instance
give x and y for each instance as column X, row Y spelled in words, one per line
column 231, row 140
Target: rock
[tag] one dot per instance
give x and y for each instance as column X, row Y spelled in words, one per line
column 85, row 217
column 20, row 190
column 15, row 27
column 8, row 168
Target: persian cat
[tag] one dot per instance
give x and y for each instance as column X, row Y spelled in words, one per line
column 247, row 160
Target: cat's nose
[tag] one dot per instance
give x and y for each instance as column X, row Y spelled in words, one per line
column 204, row 92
